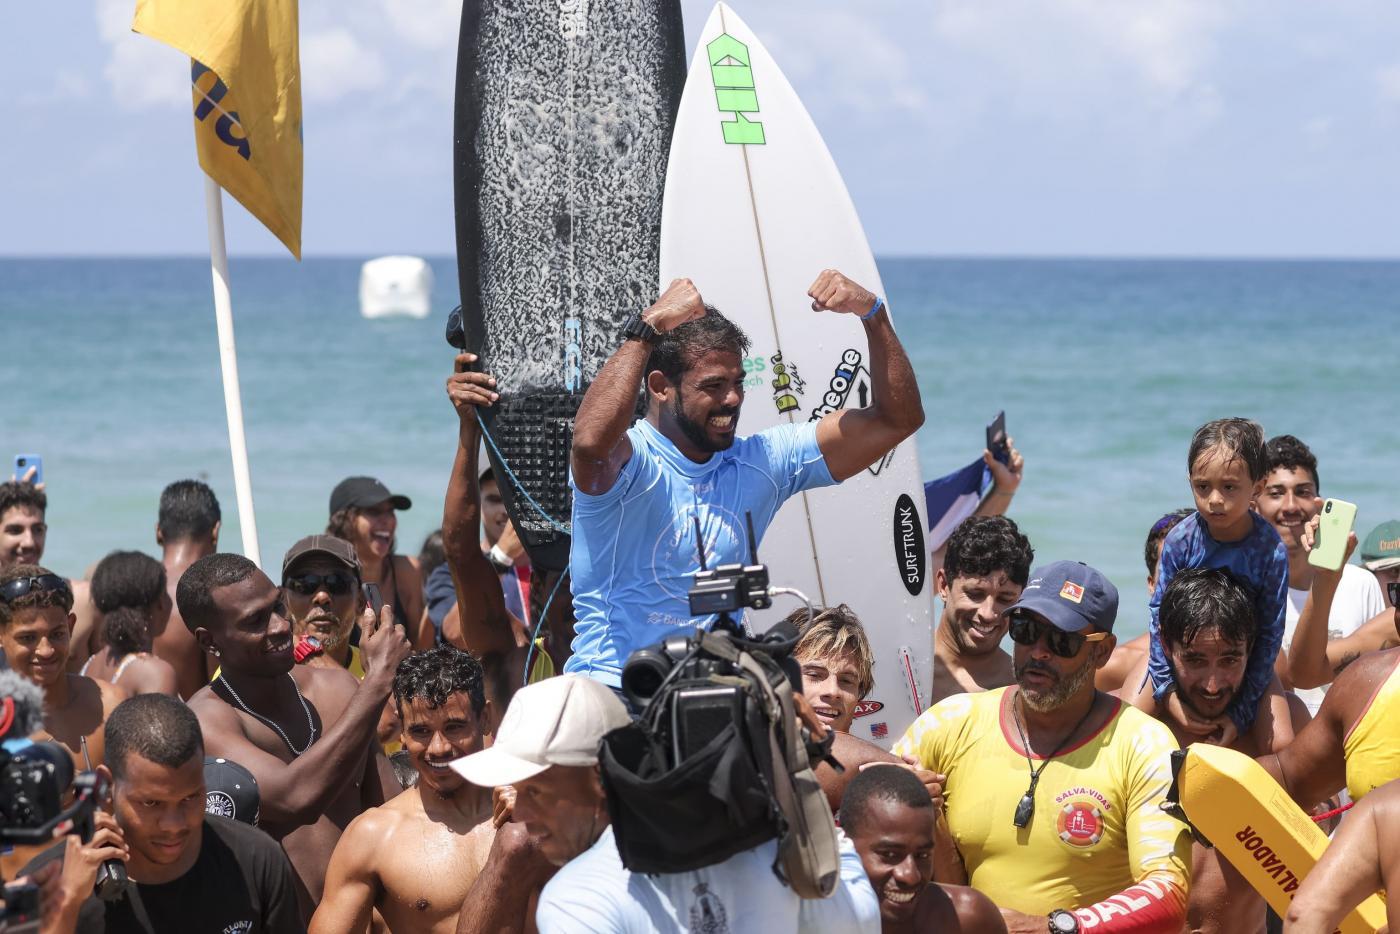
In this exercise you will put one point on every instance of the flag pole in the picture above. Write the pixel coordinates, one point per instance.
(228, 360)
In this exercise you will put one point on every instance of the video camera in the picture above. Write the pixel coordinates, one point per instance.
(716, 762)
(35, 779)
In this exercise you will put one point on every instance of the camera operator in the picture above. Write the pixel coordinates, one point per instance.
(640, 490)
(548, 750)
(190, 871)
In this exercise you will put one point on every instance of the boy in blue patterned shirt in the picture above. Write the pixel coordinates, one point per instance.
(1227, 465)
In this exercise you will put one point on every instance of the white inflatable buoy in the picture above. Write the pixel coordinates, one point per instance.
(396, 286)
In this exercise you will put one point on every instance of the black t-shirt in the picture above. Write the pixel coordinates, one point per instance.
(241, 884)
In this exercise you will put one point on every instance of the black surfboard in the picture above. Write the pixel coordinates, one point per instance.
(563, 124)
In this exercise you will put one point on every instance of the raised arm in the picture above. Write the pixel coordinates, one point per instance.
(853, 439)
(484, 624)
(1308, 663)
(296, 793)
(601, 448)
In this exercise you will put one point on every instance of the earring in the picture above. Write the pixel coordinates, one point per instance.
(216, 653)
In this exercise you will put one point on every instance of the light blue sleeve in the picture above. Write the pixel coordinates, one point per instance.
(795, 460)
(1175, 555)
(640, 470)
(854, 908)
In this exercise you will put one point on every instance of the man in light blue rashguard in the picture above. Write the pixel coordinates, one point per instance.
(639, 488)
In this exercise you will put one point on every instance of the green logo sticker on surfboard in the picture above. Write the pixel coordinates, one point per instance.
(734, 90)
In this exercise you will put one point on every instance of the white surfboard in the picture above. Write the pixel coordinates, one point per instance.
(754, 209)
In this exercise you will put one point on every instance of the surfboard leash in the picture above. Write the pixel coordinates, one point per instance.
(520, 487)
(535, 636)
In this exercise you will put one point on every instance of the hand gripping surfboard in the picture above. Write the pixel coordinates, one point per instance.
(1231, 803)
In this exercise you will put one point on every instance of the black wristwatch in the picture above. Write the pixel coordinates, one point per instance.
(1063, 922)
(637, 329)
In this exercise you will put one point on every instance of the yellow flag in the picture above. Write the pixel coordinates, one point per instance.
(246, 75)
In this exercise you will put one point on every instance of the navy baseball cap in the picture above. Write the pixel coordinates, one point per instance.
(1071, 595)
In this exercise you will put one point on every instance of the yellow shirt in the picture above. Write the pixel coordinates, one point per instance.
(1098, 827)
(1372, 745)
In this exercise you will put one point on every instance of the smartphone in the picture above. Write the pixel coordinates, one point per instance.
(373, 598)
(996, 438)
(23, 462)
(1330, 549)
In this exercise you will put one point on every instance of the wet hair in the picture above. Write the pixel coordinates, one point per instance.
(17, 493)
(1288, 452)
(1201, 599)
(194, 594)
(678, 349)
(157, 727)
(886, 782)
(62, 597)
(835, 631)
(188, 509)
(982, 545)
(437, 674)
(432, 554)
(124, 585)
(1238, 439)
(1155, 535)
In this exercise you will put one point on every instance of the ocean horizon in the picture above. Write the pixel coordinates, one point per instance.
(1104, 367)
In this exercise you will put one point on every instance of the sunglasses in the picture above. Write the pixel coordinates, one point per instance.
(15, 589)
(1392, 590)
(1027, 630)
(336, 583)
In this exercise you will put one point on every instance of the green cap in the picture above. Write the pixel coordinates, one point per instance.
(1381, 549)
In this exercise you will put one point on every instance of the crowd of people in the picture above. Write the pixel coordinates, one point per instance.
(373, 741)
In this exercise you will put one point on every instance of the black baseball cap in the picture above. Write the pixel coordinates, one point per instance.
(365, 491)
(230, 791)
(337, 548)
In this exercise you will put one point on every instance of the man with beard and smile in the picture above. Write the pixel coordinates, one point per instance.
(1053, 789)
(889, 817)
(191, 871)
(641, 490)
(1208, 624)
(307, 734)
(414, 859)
(986, 563)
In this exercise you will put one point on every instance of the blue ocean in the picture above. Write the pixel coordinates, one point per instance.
(1104, 369)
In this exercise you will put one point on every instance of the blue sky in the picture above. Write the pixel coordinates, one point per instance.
(970, 127)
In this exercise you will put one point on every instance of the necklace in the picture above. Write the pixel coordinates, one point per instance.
(1025, 808)
(310, 726)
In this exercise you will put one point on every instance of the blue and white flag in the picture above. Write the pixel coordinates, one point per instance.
(951, 499)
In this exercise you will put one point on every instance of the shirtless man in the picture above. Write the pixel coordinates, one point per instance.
(35, 619)
(306, 734)
(414, 859)
(1364, 857)
(986, 563)
(481, 624)
(889, 817)
(187, 529)
(1208, 625)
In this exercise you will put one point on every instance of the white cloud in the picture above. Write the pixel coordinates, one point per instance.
(879, 78)
(1388, 82)
(429, 24)
(335, 63)
(68, 85)
(141, 72)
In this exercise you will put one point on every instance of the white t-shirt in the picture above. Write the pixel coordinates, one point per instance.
(595, 894)
(1358, 601)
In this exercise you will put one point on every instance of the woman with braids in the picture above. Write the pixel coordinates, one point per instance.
(128, 588)
(362, 511)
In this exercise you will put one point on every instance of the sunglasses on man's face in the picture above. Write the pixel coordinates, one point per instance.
(1392, 590)
(1027, 630)
(336, 583)
(15, 589)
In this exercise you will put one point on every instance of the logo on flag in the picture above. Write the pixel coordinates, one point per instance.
(1072, 592)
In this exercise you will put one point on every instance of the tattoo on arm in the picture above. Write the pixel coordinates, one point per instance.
(1344, 661)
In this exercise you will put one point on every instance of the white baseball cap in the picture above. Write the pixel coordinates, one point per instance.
(557, 721)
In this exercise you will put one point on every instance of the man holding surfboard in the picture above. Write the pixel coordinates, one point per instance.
(640, 489)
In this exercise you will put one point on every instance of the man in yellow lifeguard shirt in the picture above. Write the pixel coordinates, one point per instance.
(1053, 789)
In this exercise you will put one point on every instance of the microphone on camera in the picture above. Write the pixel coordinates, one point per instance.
(21, 706)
